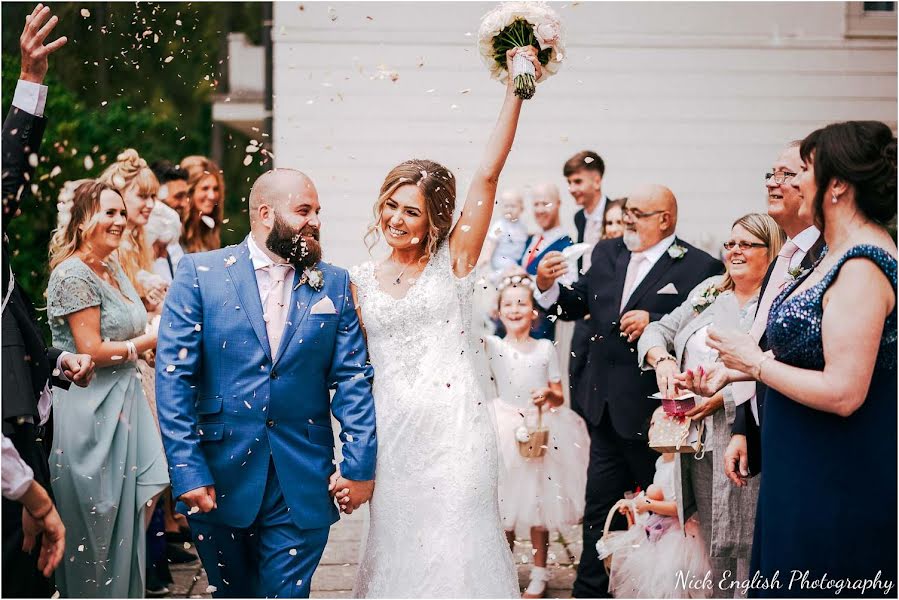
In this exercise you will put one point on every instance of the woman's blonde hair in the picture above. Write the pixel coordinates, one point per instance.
(197, 236)
(129, 170)
(764, 228)
(437, 186)
(84, 207)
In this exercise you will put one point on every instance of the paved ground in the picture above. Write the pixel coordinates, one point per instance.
(337, 571)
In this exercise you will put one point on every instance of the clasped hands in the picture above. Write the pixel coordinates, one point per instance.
(349, 494)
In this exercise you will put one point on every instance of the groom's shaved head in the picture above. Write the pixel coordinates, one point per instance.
(276, 188)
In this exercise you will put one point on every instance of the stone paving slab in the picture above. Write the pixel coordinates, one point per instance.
(336, 574)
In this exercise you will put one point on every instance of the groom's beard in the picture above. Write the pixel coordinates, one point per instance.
(299, 248)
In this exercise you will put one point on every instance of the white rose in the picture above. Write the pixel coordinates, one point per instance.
(547, 34)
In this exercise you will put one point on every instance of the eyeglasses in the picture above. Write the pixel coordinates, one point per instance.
(744, 246)
(779, 176)
(633, 213)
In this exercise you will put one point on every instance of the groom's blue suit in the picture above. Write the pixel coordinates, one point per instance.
(255, 422)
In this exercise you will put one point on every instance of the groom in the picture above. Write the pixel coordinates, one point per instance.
(252, 339)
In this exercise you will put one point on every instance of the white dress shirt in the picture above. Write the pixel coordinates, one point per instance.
(651, 255)
(261, 260)
(17, 475)
(593, 229)
(805, 240)
(30, 97)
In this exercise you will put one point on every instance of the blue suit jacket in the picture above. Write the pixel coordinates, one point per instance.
(228, 404)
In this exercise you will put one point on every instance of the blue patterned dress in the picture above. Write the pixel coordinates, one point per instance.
(827, 503)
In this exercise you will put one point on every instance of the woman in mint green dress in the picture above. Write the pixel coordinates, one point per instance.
(107, 465)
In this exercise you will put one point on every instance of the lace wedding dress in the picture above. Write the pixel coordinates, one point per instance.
(435, 528)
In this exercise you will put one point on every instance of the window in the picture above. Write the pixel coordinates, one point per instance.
(871, 19)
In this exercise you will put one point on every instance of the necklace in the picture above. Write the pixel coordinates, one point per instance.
(399, 278)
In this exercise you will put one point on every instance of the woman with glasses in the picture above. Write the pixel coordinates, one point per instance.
(676, 343)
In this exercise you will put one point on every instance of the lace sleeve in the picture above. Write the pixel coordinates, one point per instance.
(69, 292)
(358, 278)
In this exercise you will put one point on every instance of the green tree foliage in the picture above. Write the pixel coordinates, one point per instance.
(133, 75)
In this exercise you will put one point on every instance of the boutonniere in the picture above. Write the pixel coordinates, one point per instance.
(314, 278)
(676, 251)
(705, 298)
(230, 261)
(797, 273)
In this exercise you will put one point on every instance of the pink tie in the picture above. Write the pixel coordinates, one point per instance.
(745, 390)
(275, 309)
(630, 280)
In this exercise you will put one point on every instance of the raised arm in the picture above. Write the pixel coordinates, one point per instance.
(467, 238)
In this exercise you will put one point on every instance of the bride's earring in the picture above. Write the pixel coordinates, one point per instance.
(834, 199)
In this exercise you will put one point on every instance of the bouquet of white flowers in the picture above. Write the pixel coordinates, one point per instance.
(521, 24)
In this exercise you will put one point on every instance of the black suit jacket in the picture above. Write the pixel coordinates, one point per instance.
(27, 362)
(612, 379)
(744, 423)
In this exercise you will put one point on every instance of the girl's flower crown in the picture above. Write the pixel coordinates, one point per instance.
(516, 281)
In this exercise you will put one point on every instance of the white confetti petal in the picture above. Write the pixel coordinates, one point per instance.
(85, 13)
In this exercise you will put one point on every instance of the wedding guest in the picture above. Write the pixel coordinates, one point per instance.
(173, 185)
(804, 244)
(830, 373)
(130, 176)
(613, 219)
(543, 493)
(162, 233)
(506, 239)
(632, 281)
(204, 213)
(584, 172)
(551, 238)
(108, 465)
(657, 547)
(677, 342)
(30, 369)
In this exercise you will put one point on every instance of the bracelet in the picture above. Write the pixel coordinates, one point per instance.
(758, 369)
(132, 351)
(41, 517)
(664, 358)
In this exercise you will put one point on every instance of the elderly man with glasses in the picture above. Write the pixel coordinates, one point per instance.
(631, 281)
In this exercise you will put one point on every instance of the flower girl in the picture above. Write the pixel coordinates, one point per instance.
(544, 446)
(656, 558)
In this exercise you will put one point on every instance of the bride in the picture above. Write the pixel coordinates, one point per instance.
(435, 527)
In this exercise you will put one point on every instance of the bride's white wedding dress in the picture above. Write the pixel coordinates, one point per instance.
(435, 528)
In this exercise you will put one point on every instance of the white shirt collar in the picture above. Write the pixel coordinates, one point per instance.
(655, 252)
(806, 238)
(550, 235)
(598, 211)
(260, 259)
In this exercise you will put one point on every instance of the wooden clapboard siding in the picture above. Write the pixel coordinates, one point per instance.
(698, 96)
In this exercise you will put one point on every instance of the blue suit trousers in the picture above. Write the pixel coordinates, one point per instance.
(272, 558)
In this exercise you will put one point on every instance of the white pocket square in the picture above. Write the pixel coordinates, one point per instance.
(668, 289)
(323, 307)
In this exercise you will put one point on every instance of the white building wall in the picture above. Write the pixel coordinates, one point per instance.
(698, 96)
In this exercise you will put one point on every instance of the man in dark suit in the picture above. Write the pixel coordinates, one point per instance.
(29, 367)
(632, 281)
(743, 457)
(584, 172)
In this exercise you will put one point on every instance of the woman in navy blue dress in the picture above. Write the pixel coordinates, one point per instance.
(826, 518)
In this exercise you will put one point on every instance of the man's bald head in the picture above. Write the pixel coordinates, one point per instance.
(650, 216)
(546, 201)
(284, 219)
(277, 188)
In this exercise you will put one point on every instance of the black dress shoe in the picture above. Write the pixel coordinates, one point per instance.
(177, 555)
(155, 588)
